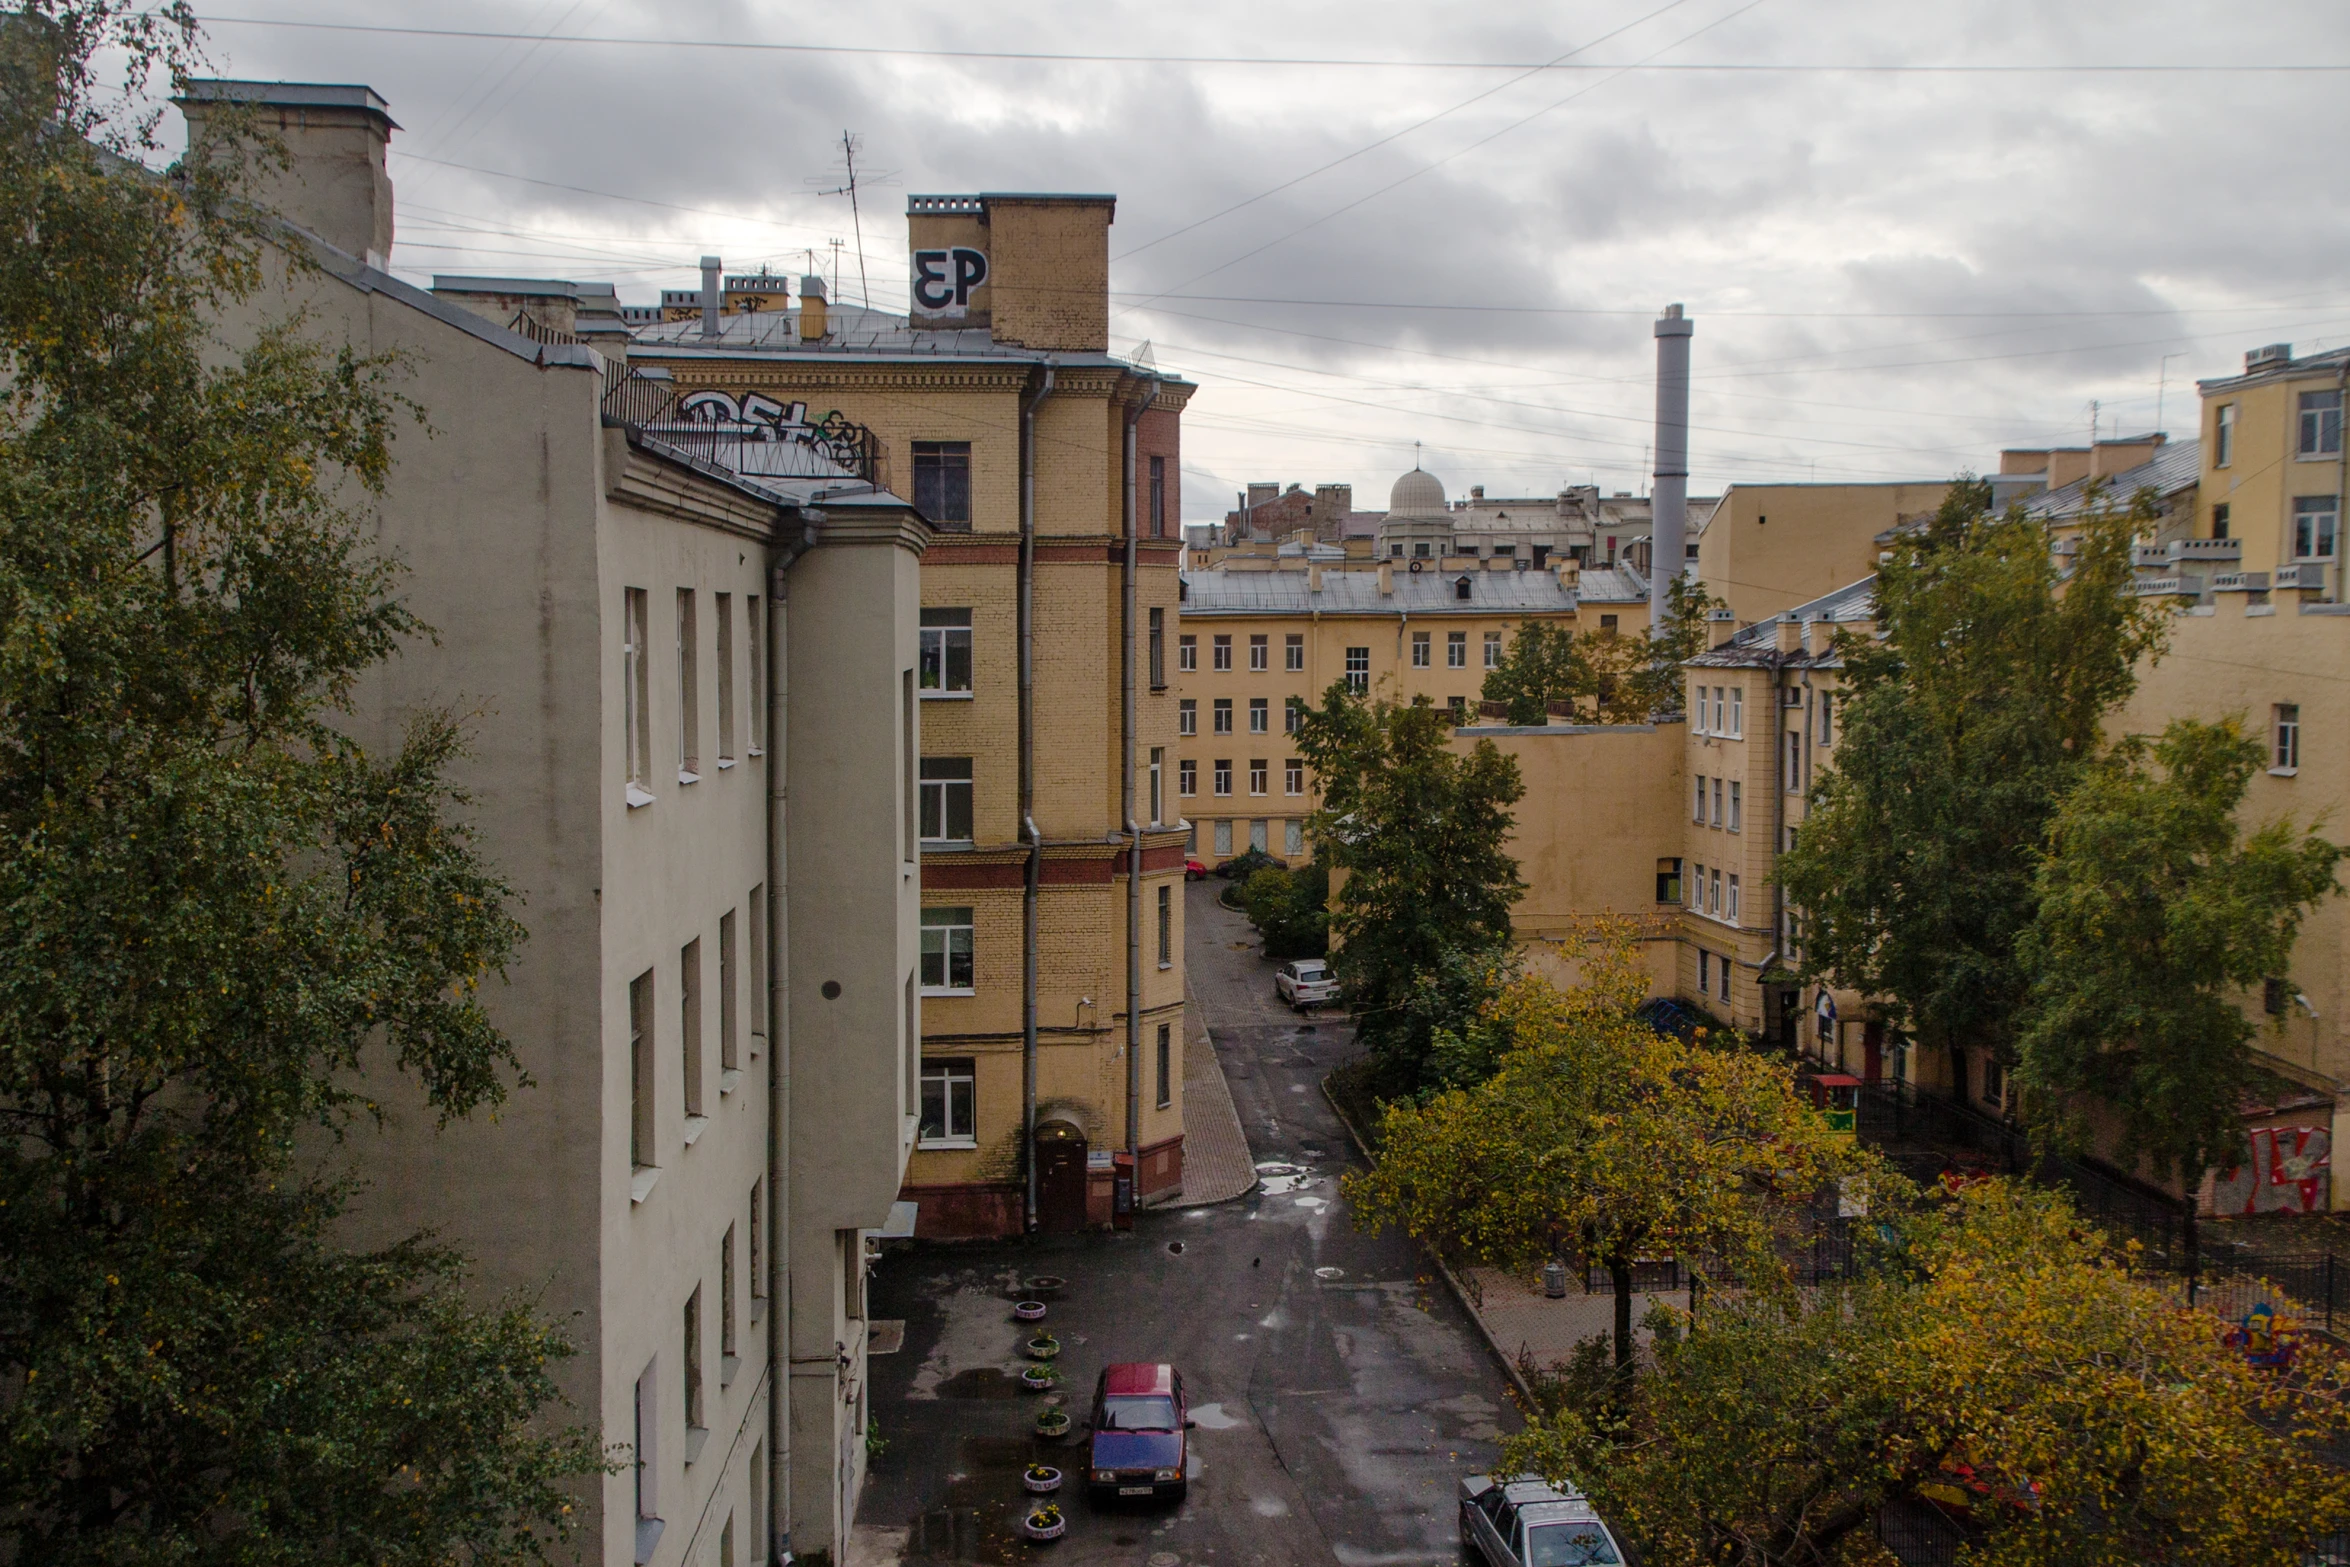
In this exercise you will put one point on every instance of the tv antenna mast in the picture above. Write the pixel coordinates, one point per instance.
(851, 180)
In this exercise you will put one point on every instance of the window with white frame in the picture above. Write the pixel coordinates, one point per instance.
(1730, 907)
(1713, 893)
(1187, 652)
(1419, 650)
(1456, 650)
(1293, 712)
(1260, 653)
(1827, 704)
(1293, 776)
(1293, 837)
(1260, 715)
(1737, 729)
(1224, 775)
(1694, 893)
(1720, 712)
(1492, 650)
(1792, 769)
(1736, 810)
(2321, 424)
(1705, 972)
(2223, 445)
(2316, 526)
(1358, 670)
(2285, 726)
(1697, 803)
(1223, 715)
(689, 737)
(950, 1103)
(1221, 649)
(1717, 819)
(1697, 709)
(945, 652)
(947, 952)
(946, 799)
(636, 722)
(1293, 651)
(722, 609)
(1158, 785)
(1259, 772)
(1187, 715)
(1187, 777)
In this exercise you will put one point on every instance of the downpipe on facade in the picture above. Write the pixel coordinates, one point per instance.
(1032, 885)
(1133, 829)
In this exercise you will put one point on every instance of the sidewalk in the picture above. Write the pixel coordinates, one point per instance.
(1518, 1319)
(1217, 1166)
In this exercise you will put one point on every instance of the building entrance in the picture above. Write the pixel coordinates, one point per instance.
(1060, 1177)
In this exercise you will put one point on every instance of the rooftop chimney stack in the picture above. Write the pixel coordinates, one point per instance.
(1668, 548)
(333, 181)
(711, 268)
(815, 319)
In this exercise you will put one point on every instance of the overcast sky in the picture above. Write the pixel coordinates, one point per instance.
(1894, 272)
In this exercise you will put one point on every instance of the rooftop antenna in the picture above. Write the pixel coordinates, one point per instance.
(2162, 385)
(836, 245)
(2094, 418)
(850, 180)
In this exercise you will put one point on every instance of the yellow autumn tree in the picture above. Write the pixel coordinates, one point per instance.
(1600, 1136)
(1999, 1360)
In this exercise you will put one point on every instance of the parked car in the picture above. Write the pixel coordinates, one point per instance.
(1138, 1447)
(1305, 983)
(1527, 1523)
(1195, 870)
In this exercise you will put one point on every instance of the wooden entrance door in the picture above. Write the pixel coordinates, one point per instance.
(1060, 1178)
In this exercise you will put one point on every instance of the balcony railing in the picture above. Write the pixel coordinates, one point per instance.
(753, 435)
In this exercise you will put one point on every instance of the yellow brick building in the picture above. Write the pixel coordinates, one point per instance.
(1051, 1044)
(1255, 646)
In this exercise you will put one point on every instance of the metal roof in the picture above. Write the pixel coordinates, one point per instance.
(854, 332)
(1854, 603)
(2174, 466)
(1415, 593)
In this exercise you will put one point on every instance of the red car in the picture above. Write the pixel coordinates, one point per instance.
(1194, 870)
(1138, 1446)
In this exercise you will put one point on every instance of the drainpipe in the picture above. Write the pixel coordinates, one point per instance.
(1133, 829)
(776, 1218)
(2342, 486)
(1032, 886)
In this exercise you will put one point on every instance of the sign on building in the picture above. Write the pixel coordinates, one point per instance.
(944, 281)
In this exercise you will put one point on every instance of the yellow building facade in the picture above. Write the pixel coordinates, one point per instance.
(1255, 647)
(1051, 986)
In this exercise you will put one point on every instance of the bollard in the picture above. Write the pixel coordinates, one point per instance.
(1554, 1279)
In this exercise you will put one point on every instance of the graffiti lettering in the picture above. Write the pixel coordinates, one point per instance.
(944, 280)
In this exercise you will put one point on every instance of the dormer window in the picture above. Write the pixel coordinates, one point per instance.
(1460, 587)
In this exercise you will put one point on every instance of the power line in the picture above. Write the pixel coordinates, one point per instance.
(1050, 57)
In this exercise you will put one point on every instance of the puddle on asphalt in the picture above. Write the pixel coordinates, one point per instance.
(979, 1519)
(980, 1382)
(1275, 1178)
(1212, 1417)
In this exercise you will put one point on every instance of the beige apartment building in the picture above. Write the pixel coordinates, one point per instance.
(1257, 647)
(1051, 977)
(715, 1002)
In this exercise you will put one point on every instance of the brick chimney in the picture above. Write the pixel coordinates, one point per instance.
(334, 183)
(814, 322)
(1034, 269)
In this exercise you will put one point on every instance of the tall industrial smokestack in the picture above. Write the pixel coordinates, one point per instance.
(1668, 544)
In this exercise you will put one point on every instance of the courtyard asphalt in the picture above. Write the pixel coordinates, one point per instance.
(1339, 1390)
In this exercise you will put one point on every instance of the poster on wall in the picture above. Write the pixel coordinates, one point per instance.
(2285, 1169)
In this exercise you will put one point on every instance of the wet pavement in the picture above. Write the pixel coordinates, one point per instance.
(1338, 1390)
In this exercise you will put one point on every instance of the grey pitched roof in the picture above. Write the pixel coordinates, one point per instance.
(1854, 603)
(1415, 593)
(2174, 466)
(854, 332)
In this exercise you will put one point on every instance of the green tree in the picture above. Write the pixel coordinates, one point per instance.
(1601, 1136)
(1415, 830)
(2152, 907)
(1652, 682)
(1542, 665)
(219, 918)
(1963, 730)
(1996, 1359)
(1290, 909)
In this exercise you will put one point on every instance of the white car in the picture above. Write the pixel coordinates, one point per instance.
(1305, 983)
(1525, 1523)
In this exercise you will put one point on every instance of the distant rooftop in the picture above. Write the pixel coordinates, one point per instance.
(2174, 466)
(288, 95)
(1417, 593)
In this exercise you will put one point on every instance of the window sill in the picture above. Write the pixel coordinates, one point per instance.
(695, 1126)
(928, 991)
(729, 1080)
(1164, 965)
(754, 753)
(648, 1535)
(636, 797)
(696, 1438)
(946, 1144)
(948, 845)
(728, 1365)
(684, 776)
(640, 1183)
(725, 762)
(2284, 772)
(949, 696)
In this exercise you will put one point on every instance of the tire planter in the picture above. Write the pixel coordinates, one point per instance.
(1042, 1479)
(1052, 1425)
(1028, 1311)
(1044, 1288)
(1038, 1379)
(1042, 1347)
(1044, 1523)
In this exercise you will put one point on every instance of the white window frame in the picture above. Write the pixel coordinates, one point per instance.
(1187, 716)
(943, 789)
(1187, 653)
(1492, 650)
(1730, 906)
(1293, 652)
(947, 950)
(944, 1073)
(1260, 715)
(1737, 730)
(1220, 651)
(1697, 805)
(2310, 440)
(1293, 776)
(2317, 519)
(1697, 711)
(1737, 811)
(2285, 729)
(1260, 653)
(1421, 650)
(1260, 777)
(1220, 716)
(1186, 778)
(1220, 778)
(1456, 650)
(1358, 670)
(938, 642)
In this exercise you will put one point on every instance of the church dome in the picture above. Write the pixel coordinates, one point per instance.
(1417, 494)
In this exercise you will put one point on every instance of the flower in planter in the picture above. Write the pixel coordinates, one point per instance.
(1042, 1472)
(1046, 1516)
(1043, 1347)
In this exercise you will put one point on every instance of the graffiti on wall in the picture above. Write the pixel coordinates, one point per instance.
(753, 419)
(2285, 1169)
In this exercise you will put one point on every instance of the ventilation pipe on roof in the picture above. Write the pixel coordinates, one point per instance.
(711, 267)
(1668, 546)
